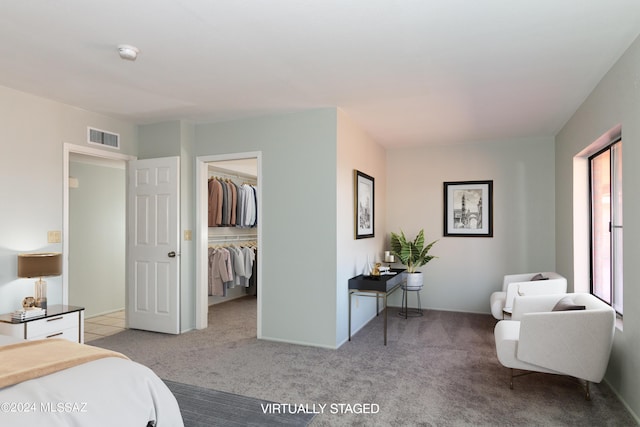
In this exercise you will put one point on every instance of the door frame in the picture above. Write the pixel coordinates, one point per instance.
(69, 148)
(202, 233)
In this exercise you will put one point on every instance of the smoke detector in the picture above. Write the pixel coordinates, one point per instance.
(128, 52)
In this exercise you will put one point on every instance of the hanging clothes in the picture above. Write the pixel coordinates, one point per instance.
(215, 203)
(231, 266)
(220, 271)
(232, 205)
(226, 203)
(238, 266)
(249, 264)
(247, 206)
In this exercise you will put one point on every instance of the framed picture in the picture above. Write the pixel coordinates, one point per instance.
(468, 208)
(364, 205)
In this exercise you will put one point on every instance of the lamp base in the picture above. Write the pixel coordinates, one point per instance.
(41, 293)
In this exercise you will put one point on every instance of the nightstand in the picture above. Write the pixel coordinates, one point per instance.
(61, 321)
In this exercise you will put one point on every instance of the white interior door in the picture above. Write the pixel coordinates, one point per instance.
(153, 273)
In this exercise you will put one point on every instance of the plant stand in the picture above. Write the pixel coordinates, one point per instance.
(406, 311)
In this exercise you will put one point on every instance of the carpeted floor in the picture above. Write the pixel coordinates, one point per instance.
(437, 370)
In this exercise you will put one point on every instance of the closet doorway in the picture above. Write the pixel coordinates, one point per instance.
(239, 169)
(94, 234)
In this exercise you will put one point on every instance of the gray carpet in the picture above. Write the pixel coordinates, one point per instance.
(437, 370)
(201, 407)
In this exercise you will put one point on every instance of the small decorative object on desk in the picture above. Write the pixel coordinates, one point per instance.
(28, 302)
(28, 313)
(386, 271)
(376, 269)
(388, 257)
(367, 268)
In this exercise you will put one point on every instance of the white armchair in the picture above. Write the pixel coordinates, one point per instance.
(570, 342)
(522, 284)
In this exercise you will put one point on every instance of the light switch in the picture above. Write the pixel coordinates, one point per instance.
(187, 235)
(53, 237)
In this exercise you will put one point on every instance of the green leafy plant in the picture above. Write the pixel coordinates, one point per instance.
(414, 253)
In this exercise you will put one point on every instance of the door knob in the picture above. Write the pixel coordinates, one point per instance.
(172, 254)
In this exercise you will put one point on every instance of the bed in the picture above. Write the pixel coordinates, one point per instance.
(107, 390)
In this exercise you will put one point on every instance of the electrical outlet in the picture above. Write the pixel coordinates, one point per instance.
(187, 234)
(53, 237)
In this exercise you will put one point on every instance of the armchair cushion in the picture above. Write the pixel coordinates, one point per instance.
(538, 276)
(567, 303)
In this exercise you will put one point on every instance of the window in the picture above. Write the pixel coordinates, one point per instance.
(605, 172)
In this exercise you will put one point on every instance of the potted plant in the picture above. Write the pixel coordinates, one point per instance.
(412, 254)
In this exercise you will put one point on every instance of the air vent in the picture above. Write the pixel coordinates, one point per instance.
(101, 137)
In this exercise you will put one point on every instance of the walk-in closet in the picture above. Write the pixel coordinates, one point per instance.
(232, 219)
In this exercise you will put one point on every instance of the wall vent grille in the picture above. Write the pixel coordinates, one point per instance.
(104, 138)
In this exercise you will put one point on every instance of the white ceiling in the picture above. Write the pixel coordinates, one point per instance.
(409, 72)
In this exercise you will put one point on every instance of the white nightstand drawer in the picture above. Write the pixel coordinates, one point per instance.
(52, 325)
(70, 334)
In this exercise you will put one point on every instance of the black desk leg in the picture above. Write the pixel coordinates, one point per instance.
(385, 317)
(349, 316)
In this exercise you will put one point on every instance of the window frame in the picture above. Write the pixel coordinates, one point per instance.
(614, 162)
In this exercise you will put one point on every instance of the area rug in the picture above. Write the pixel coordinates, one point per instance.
(202, 407)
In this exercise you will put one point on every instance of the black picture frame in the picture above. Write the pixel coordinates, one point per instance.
(468, 209)
(364, 205)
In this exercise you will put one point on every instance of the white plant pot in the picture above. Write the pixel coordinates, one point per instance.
(415, 281)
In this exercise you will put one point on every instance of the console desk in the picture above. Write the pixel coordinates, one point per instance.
(379, 287)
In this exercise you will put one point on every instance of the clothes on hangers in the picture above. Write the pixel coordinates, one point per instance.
(231, 266)
(247, 206)
(215, 202)
(220, 271)
(232, 205)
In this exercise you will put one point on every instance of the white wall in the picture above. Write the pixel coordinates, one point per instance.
(187, 222)
(32, 133)
(169, 139)
(469, 269)
(616, 100)
(356, 150)
(298, 246)
(97, 238)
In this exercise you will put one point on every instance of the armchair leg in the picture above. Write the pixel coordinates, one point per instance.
(587, 388)
(587, 395)
(511, 379)
(513, 375)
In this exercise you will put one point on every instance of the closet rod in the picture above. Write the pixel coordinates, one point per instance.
(232, 237)
(231, 173)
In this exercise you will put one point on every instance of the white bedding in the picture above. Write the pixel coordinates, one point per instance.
(105, 392)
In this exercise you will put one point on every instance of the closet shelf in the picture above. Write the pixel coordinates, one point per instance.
(232, 237)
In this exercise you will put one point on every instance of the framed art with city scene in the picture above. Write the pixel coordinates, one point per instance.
(364, 196)
(468, 209)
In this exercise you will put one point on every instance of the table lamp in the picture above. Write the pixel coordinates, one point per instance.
(40, 265)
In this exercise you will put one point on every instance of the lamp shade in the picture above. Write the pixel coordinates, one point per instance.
(40, 264)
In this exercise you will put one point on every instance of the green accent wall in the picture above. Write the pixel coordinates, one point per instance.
(97, 238)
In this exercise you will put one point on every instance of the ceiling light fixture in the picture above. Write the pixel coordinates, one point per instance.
(128, 52)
